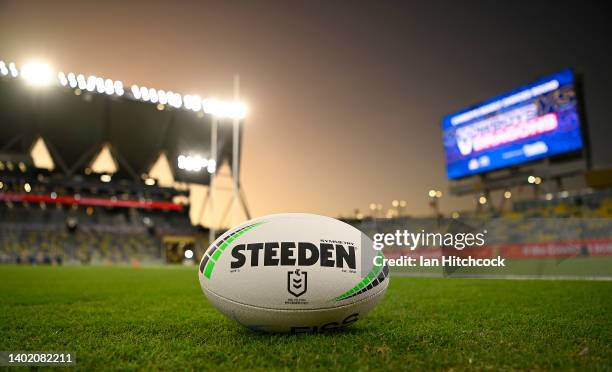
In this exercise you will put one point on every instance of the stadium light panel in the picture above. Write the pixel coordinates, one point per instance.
(197, 103)
(3, 69)
(162, 97)
(192, 163)
(178, 99)
(81, 82)
(91, 83)
(118, 85)
(36, 73)
(153, 95)
(212, 166)
(109, 87)
(136, 91)
(144, 93)
(100, 85)
(175, 99)
(222, 109)
(62, 78)
(194, 103)
(187, 101)
(13, 69)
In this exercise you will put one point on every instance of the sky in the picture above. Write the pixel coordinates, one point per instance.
(345, 97)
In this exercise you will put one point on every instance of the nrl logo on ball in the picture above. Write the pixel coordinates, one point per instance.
(297, 282)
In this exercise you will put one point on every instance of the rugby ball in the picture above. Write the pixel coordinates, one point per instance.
(293, 273)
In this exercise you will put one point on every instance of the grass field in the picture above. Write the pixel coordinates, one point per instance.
(157, 318)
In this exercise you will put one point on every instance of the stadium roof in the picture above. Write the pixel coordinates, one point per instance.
(77, 116)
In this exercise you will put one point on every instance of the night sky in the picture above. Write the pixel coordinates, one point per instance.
(346, 97)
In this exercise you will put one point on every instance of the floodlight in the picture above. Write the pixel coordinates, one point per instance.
(212, 166)
(144, 93)
(118, 85)
(196, 105)
(162, 97)
(136, 91)
(222, 109)
(81, 82)
(13, 69)
(196, 163)
(91, 83)
(100, 85)
(153, 95)
(109, 87)
(175, 99)
(62, 78)
(187, 101)
(36, 73)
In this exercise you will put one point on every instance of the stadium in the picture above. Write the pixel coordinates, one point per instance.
(115, 194)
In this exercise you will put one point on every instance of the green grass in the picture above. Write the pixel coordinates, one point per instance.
(157, 318)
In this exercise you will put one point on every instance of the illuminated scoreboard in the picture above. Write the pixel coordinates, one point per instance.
(535, 121)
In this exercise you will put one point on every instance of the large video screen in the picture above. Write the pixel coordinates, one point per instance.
(535, 121)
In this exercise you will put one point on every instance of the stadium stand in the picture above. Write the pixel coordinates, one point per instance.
(561, 225)
(68, 213)
(45, 218)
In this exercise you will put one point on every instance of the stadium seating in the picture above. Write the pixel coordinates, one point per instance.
(562, 218)
(57, 233)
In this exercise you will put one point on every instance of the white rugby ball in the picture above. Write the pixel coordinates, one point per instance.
(297, 273)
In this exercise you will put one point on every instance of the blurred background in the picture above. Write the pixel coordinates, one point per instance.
(116, 119)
